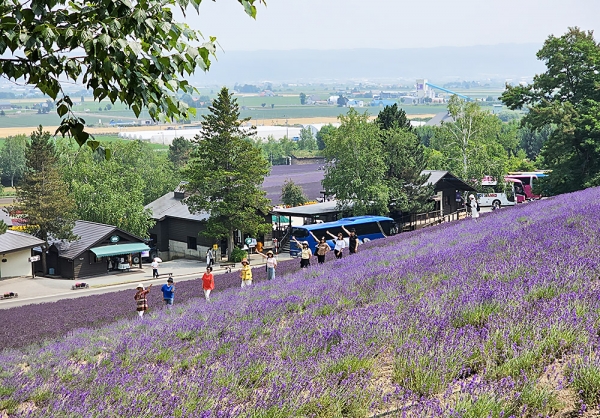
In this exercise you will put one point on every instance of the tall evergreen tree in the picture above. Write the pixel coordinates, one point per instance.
(292, 194)
(392, 117)
(179, 152)
(43, 200)
(225, 173)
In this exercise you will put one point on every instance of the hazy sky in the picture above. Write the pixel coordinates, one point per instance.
(346, 24)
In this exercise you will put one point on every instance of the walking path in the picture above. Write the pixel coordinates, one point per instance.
(44, 289)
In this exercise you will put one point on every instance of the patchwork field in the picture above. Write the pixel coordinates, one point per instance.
(494, 317)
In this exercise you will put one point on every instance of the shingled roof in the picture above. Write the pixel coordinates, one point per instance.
(170, 206)
(89, 233)
(12, 241)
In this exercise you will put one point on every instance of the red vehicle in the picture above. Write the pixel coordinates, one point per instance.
(525, 185)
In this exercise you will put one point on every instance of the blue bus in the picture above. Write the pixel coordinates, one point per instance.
(366, 227)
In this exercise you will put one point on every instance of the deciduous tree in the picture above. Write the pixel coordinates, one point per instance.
(355, 174)
(132, 52)
(12, 158)
(469, 144)
(292, 194)
(225, 173)
(566, 96)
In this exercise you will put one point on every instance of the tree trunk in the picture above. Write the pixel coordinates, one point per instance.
(230, 244)
(44, 266)
(12, 181)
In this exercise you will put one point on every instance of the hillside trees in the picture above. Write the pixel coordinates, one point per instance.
(115, 191)
(566, 96)
(355, 174)
(292, 194)
(12, 158)
(392, 117)
(179, 152)
(43, 201)
(470, 146)
(132, 52)
(225, 174)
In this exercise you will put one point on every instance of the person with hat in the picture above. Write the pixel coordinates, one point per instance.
(271, 264)
(168, 291)
(141, 299)
(305, 253)
(208, 282)
(474, 205)
(246, 273)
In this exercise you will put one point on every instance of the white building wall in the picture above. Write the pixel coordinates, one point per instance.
(178, 249)
(16, 264)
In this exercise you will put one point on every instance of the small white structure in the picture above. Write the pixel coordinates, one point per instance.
(15, 253)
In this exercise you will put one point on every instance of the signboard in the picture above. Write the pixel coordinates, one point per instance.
(114, 239)
(248, 241)
(215, 247)
(34, 258)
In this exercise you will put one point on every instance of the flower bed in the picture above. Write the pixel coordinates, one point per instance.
(475, 318)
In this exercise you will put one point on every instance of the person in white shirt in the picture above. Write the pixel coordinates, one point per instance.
(154, 268)
(339, 242)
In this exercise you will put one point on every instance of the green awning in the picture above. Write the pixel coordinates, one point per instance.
(119, 249)
(281, 219)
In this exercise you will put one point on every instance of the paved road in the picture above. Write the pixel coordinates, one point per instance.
(43, 289)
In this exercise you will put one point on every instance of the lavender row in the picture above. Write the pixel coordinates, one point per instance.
(457, 320)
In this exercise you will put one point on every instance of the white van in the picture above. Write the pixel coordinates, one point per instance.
(496, 196)
(496, 200)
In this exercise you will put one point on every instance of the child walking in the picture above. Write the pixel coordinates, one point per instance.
(168, 291)
(246, 273)
(208, 282)
(141, 299)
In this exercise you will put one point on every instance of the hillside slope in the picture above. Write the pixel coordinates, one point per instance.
(494, 317)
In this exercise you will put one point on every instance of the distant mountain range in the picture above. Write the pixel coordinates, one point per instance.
(442, 64)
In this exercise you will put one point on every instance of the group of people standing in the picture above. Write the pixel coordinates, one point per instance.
(323, 247)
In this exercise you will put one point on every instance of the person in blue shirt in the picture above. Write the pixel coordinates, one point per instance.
(168, 291)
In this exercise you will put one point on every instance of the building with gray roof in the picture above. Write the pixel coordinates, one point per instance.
(15, 252)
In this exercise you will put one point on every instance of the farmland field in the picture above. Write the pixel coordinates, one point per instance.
(496, 317)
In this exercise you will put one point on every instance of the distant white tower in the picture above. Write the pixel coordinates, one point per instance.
(422, 89)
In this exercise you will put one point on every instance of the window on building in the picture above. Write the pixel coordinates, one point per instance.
(192, 244)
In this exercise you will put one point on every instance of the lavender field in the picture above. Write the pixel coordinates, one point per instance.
(495, 317)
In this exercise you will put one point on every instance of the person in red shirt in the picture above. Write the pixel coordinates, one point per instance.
(141, 300)
(208, 282)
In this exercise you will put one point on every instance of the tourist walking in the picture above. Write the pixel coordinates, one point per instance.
(208, 282)
(271, 264)
(168, 291)
(210, 257)
(352, 240)
(322, 248)
(339, 244)
(474, 205)
(304, 253)
(154, 268)
(246, 273)
(141, 299)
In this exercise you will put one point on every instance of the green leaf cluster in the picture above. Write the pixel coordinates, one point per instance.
(134, 52)
(565, 100)
(292, 194)
(115, 191)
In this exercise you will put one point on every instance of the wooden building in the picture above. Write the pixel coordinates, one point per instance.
(98, 250)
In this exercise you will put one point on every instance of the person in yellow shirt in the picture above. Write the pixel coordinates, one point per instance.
(246, 273)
